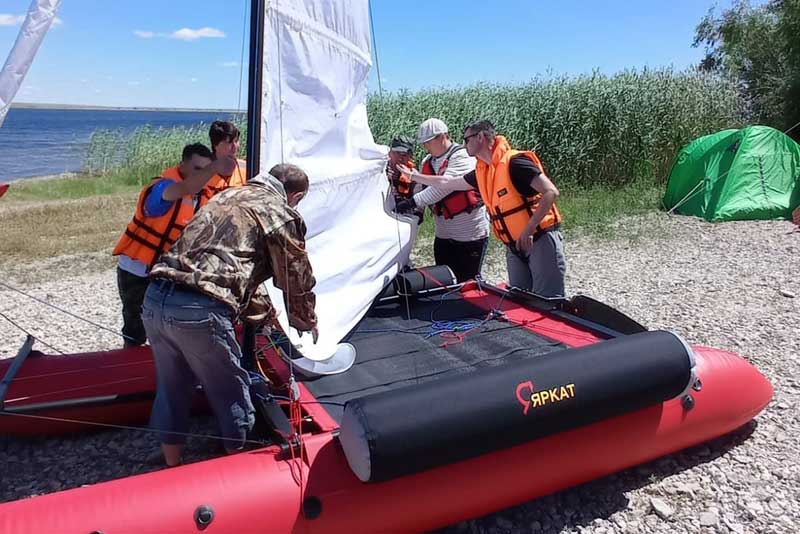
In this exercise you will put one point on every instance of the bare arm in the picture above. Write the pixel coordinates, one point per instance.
(198, 179)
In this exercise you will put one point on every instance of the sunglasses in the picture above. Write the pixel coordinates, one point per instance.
(468, 137)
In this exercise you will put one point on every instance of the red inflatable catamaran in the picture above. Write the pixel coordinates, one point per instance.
(420, 433)
(461, 400)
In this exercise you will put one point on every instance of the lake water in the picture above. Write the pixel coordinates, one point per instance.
(39, 142)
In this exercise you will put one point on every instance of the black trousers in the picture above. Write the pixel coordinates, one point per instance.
(464, 258)
(131, 293)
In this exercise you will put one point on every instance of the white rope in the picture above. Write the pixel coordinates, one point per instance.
(689, 195)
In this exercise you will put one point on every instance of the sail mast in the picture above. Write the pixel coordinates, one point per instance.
(254, 84)
(40, 16)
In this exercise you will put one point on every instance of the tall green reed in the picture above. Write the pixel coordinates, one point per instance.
(137, 157)
(588, 130)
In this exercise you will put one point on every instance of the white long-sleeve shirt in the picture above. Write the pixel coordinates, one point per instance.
(464, 226)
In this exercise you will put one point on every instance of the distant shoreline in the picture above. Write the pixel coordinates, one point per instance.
(26, 105)
(40, 178)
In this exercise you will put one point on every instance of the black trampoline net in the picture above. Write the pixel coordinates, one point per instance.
(395, 351)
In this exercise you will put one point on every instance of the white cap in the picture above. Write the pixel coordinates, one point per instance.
(430, 129)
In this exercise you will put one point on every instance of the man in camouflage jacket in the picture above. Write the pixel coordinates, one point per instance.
(210, 278)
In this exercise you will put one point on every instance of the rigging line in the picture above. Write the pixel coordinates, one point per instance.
(241, 56)
(375, 47)
(276, 15)
(4, 316)
(696, 189)
(792, 128)
(123, 427)
(62, 310)
(399, 255)
(280, 80)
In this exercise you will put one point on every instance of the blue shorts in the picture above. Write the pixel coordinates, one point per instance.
(193, 342)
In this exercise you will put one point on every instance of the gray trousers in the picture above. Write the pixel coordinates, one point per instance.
(544, 269)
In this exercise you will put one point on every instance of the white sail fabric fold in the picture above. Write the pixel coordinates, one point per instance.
(40, 16)
(316, 61)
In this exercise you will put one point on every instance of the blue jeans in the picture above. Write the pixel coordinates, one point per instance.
(194, 342)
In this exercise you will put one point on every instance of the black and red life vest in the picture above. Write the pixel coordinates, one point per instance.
(456, 202)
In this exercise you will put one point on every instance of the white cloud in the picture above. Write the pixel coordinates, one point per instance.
(144, 34)
(229, 64)
(10, 20)
(186, 34)
(13, 20)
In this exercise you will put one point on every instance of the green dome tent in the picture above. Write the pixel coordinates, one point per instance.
(752, 173)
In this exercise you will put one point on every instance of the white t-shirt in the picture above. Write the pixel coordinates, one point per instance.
(464, 226)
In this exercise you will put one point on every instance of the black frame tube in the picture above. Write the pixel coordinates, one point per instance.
(254, 85)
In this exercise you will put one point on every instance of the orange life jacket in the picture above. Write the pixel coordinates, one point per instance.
(458, 201)
(219, 183)
(509, 211)
(403, 185)
(146, 238)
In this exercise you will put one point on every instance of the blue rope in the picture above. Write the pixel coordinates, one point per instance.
(441, 327)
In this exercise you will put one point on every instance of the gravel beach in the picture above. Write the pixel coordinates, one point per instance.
(735, 286)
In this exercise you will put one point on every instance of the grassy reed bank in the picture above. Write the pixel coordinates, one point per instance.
(607, 141)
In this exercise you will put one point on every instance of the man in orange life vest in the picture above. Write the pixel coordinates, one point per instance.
(520, 199)
(461, 224)
(225, 142)
(401, 152)
(163, 209)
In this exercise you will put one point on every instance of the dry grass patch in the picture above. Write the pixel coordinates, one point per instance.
(40, 230)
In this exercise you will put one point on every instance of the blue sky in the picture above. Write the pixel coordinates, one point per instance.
(186, 53)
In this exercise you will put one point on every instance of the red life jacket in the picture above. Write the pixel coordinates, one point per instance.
(458, 201)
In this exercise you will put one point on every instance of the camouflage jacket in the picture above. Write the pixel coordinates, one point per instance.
(242, 237)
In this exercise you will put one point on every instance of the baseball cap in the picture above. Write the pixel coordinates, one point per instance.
(430, 129)
(402, 143)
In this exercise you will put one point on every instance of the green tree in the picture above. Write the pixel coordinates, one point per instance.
(760, 47)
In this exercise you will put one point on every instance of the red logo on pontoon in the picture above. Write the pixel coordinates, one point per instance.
(529, 398)
(525, 400)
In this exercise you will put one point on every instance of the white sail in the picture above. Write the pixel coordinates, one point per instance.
(40, 16)
(316, 62)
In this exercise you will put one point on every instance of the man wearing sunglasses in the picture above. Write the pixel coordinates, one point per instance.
(520, 199)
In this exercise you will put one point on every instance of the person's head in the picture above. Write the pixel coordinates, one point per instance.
(434, 136)
(401, 150)
(294, 180)
(224, 138)
(479, 139)
(195, 157)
